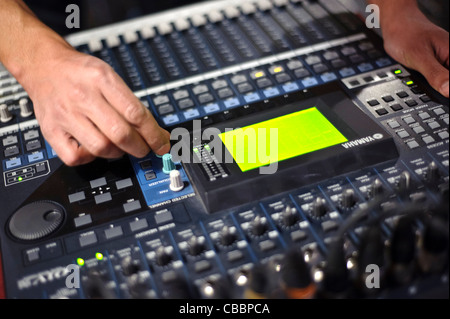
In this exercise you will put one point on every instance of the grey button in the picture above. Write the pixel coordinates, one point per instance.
(424, 116)
(202, 266)
(124, 183)
(83, 220)
(77, 197)
(267, 245)
(103, 198)
(162, 99)
(33, 255)
(413, 145)
(234, 255)
(394, 124)
(87, 239)
(434, 125)
(409, 120)
(138, 225)
(181, 94)
(98, 182)
(443, 135)
(298, 235)
(113, 232)
(419, 130)
(329, 225)
(199, 89)
(163, 217)
(439, 111)
(428, 140)
(132, 206)
(10, 140)
(403, 134)
(31, 135)
(33, 145)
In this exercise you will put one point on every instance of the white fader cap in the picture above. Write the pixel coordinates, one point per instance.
(176, 183)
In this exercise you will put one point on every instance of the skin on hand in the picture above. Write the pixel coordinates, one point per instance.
(85, 111)
(413, 40)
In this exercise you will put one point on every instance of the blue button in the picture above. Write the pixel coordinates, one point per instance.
(383, 62)
(171, 119)
(328, 77)
(310, 82)
(35, 157)
(289, 87)
(252, 97)
(271, 92)
(211, 108)
(231, 103)
(13, 163)
(364, 67)
(191, 114)
(347, 72)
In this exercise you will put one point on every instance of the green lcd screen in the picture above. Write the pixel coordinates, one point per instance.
(281, 138)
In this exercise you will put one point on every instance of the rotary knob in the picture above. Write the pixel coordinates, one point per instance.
(432, 174)
(289, 216)
(319, 208)
(259, 226)
(348, 199)
(163, 257)
(36, 220)
(5, 114)
(376, 189)
(196, 245)
(25, 108)
(228, 235)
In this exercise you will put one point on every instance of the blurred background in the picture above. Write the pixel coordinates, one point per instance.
(95, 13)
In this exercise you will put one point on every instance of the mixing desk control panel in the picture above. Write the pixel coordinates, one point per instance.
(360, 172)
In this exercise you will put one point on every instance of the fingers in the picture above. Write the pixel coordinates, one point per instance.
(136, 114)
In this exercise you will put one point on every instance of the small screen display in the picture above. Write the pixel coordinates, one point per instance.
(281, 138)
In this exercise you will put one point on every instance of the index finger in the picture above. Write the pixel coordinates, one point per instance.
(117, 93)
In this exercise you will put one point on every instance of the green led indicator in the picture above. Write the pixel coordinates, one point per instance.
(99, 256)
(398, 71)
(196, 150)
(20, 178)
(80, 262)
(409, 83)
(207, 147)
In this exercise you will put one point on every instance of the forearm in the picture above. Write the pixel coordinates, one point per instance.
(25, 42)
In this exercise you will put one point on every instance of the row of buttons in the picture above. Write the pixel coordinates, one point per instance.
(262, 82)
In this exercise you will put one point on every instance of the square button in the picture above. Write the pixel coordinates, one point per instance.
(443, 135)
(413, 145)
(103, 198)
(428, 140)
(396, 107)
(409, 120)
(424, 116)
(403, 134)
(439, 111)
(394, 124)
(434, 125)
(382, 112)
(373, 103)
(402, 94)
(388, 99)
(419, 130)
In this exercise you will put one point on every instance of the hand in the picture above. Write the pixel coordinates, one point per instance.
(414, 41)
(85, 111)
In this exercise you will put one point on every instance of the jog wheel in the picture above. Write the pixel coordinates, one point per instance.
(36, 220)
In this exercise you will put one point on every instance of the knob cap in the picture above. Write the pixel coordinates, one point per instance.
(348, 198)
(196, 245)
(5, 114)
(404, 184)
(25, 108)
(376, 189)
(130, 266)
(176, 183)
(289, 216)
(168, 164)
(432, 174)
(228, 235)
(259, 226)
(319, 207)
(163, 257)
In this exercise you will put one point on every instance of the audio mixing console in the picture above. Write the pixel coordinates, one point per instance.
(361, 176)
